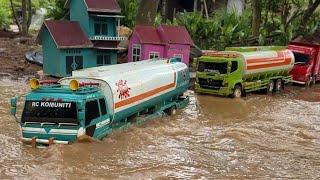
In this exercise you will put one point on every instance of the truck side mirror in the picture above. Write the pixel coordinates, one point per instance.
(13, 111)
(229, 66)
(13, 103)
(195, 63)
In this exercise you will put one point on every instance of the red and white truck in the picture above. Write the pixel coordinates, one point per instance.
(306, 69)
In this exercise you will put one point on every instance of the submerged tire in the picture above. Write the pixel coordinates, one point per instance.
(171, 111)
(278, 86)
(270, 86)
(237, 91)
(313, 80)
(308, 82)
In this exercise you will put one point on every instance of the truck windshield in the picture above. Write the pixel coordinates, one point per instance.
(221, 68)
(49, 112)
(301, 58)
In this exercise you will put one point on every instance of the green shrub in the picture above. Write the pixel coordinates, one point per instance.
(5, 14)
(221, 30)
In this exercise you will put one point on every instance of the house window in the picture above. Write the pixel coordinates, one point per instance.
(154, 55)
(136, 52)
(103, 59)
(100, 28)
(178, 57)
(73, 63)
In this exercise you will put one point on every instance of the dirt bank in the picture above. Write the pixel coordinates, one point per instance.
(12, 56)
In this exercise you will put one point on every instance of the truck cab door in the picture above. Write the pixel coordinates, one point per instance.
(97, 119)
(92, 114)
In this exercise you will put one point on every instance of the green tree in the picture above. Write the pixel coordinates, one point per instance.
(129, 10)
(56, 10)
(24, 22)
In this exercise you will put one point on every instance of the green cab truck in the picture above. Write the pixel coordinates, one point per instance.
(234, 73)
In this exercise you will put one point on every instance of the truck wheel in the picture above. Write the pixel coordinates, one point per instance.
(278, 85)
(270, 86)
(171, 111)
(237, 92)
(308, 82)
(313, 80)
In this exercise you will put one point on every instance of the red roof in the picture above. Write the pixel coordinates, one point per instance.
(66, 34)
(103, 6)
(110, 6)
(176, 34)
(148, 35)
(163, 34)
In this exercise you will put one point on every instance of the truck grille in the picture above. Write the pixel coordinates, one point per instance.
(210, 83)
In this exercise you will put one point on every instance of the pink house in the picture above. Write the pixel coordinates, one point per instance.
(165, 41)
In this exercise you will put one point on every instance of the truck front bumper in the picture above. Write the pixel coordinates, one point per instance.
(44, 141)
(49, 135)
(298, 82)
(223, 91)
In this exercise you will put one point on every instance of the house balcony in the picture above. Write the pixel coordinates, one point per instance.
(107, 38)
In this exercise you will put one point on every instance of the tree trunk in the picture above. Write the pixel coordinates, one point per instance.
(308, 13)
(14, 13)
(164, 9)
(24, 17)
(195, 5)
(205, 9)
(256, 17)
(29, 13)
(147, 12)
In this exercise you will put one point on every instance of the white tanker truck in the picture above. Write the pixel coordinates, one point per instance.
(95, 101)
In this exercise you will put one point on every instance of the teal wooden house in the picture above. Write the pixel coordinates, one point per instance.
(89, 39)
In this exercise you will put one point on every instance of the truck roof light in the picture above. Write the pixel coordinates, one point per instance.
(34, 83)
(89, 84)
(74, 85)
(220, 54)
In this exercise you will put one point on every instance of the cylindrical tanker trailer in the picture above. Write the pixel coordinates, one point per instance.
(236, 73)
(95, 101)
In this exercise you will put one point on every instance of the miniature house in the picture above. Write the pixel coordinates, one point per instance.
(89, 39)
(165, 41)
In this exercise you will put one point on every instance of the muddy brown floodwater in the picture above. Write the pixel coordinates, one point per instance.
(213, 138)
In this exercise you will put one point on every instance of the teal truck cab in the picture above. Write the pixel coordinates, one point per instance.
(58, 114)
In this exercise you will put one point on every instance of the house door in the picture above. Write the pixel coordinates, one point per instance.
(73, 63)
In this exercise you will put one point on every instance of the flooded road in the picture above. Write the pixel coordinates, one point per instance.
(256, 137)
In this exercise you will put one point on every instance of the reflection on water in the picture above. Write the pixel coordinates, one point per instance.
(256, 137)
